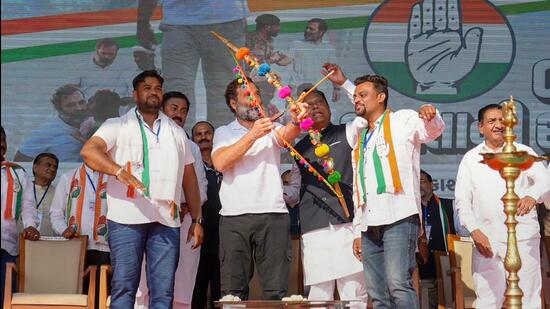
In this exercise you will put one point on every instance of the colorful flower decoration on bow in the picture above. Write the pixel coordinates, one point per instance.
(322, 151)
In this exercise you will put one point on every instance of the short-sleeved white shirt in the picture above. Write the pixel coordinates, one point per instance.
(252, 185)
(124, 210)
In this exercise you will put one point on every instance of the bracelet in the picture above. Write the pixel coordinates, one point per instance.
(296, 124)
(119, 171)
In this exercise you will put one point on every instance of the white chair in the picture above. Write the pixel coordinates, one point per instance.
(50, 275)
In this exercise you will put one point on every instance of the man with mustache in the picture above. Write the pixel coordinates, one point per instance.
(386, 162)
(310, 53)
(323, 222)
(103, 72)
(176, 106)
(478, 194)
(57, 136)
(260, 43)
(148, 157)
(254, 223)
(44, 169)
(208, 273)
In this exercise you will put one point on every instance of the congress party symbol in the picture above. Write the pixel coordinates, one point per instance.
(439, 50)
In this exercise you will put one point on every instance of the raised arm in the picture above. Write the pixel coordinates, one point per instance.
(225, 157)
(292, 129)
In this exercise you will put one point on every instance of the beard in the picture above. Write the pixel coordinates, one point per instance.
(247, 113)
(152, 102)
(360, 111)
(73, 119)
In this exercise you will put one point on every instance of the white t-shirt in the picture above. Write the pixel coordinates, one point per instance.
(91, 78)
(139, 210)
(252, 185)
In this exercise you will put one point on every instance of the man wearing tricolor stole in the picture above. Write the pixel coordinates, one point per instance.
(79, 207)
(17, 203)
(176, 106)
(145, 154)
(386, 163)
(478, 194)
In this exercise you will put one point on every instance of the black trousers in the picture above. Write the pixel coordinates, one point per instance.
(260, 239)
(207, 273)
(97, 258)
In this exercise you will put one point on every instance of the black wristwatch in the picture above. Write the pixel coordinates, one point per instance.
(198, 221)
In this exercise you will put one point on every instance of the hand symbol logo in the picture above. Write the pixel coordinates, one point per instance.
(438, 54)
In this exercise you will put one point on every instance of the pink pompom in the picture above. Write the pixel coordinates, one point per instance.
(285, 92)
(306, 124)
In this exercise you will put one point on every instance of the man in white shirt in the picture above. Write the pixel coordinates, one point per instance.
(17, 203)
(44, 168)
(176, 106)
(103, 71)
(79, 207)
(254, 224)
(58, 135)
(386, 163)
(147, 154)
(478, 194)
(309, 54)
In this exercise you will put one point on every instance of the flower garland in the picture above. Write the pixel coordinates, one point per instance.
(322, 151)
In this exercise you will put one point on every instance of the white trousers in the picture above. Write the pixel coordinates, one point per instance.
(351, 287)
(490, 275)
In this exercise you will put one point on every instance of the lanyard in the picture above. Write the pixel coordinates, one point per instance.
(145, 175)
(147, 127)
(38, 203)
(91, 181)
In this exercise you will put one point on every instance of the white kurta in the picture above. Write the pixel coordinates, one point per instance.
(478, 195)
(327, 254)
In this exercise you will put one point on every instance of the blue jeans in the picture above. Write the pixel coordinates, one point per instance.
(7, 258)
(389, 262)
(128, 243)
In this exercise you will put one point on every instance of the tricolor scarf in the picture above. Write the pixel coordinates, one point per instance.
(383, 159)
(133, 153)
(444, 220)
(76, 197)
(13, 209)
